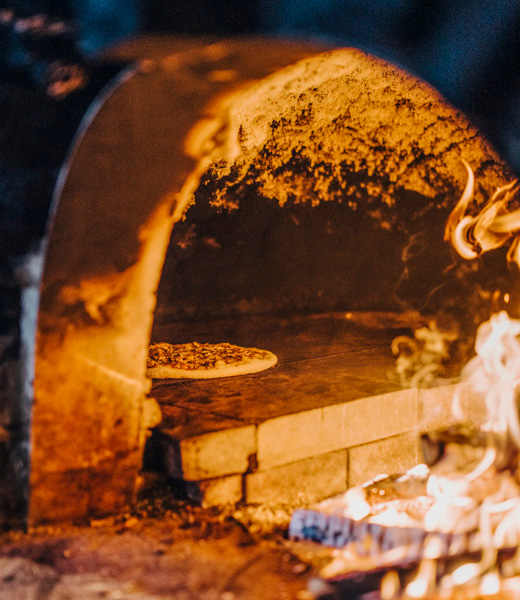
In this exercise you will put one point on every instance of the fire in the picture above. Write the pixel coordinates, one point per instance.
(491, 228)
(472, 488)
(495, 373)
(485, 496)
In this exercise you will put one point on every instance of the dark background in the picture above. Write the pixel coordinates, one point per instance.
(468, 49)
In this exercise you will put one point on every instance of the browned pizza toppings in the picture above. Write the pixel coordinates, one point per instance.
(202, 356)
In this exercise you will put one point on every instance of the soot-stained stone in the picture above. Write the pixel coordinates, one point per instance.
(328, 187)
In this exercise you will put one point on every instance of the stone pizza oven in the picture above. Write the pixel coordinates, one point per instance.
(297, 199)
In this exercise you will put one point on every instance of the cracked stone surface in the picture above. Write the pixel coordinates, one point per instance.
(325, 186)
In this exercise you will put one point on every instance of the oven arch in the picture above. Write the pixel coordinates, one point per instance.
(102, 263)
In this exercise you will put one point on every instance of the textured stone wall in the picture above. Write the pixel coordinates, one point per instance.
(327, 187)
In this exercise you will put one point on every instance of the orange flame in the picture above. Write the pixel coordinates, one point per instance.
(491, 228)
(495, 372)
(483, 498)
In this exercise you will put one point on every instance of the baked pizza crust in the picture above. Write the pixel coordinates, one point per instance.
(205, 361)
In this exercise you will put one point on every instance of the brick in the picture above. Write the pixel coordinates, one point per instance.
(294, 437)
(307, 480)
(220, 491)
(435, 407)
(219, 453)
(393, 455)
(377, 417)
(310, 433)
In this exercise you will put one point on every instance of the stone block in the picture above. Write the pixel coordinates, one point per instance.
(294, 437)
(217, 454)
(219, 491)
(435, 407)
(311, 433)
(307, 480)
(393, 455)
(375, 418)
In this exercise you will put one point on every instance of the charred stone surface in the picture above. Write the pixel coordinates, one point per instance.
(263, 258)
(328, 188)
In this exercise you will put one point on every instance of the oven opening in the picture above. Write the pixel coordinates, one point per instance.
(306, 208)
(300, 240)
(298, 200)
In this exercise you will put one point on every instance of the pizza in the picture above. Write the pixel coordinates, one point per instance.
(205, 361)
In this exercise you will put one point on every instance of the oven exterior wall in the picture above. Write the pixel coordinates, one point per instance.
(113, 209)
(116, 201)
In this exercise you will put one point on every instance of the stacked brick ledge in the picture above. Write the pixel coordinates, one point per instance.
(309, 455)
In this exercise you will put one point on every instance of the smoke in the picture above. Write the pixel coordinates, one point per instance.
(422, 359)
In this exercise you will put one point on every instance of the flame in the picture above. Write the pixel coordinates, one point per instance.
(495, 373)
(490, 584)
(469, 500)
(390, 586)
(482, 497)
(491, 228)
(356, 500)
(477, 493)
(463, 499)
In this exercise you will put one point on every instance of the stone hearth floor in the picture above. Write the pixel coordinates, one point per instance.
(162, 549)
(329, 415)
(165, 548)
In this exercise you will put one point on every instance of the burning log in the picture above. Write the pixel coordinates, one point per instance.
(379, 517)
(466, 502)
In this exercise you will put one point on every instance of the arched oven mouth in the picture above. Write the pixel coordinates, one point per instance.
(297, 209)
